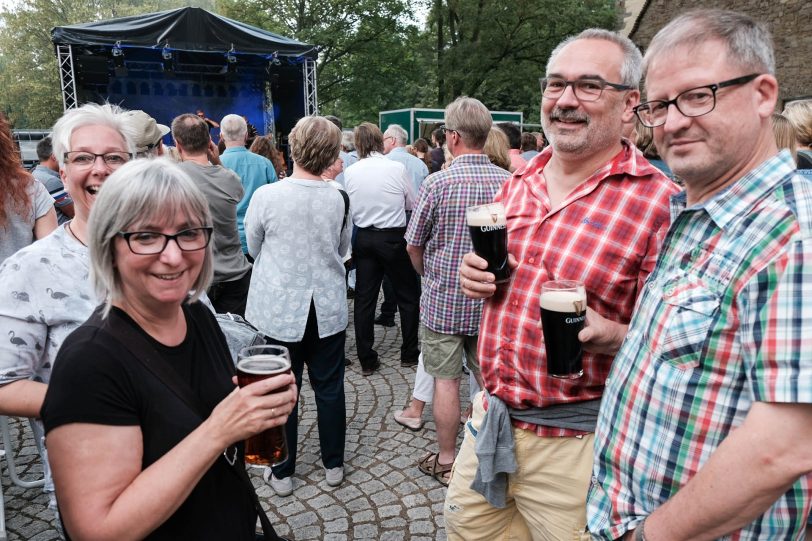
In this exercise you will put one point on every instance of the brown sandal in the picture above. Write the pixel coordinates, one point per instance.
(430, 465)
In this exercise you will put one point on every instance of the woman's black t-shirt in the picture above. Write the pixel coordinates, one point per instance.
(97, 380)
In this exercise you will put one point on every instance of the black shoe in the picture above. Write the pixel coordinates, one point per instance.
(385, 321)
(350, 293)
(347, 362)
(368, 371)
(408, 363)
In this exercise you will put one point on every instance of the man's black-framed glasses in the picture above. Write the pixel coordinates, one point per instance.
(83, 159)
(446, 129)
(585, 89)
(691, 103)
(152, 242)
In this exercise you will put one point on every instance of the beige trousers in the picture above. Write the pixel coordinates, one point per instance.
(546, 497)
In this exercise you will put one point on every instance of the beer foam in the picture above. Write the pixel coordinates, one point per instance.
(262, 365)
(485, 215)
(562, 301)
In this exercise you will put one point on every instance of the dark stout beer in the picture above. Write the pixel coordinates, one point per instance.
(563, 313)
(487, 225)
(270, 447)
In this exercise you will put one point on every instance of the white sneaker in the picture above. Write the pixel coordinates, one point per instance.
(282, 487)
(335, 476)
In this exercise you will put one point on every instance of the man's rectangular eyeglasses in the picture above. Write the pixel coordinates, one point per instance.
(586, 89)
(152, 242)
(81, 158)
(691, 103)
(446, 129)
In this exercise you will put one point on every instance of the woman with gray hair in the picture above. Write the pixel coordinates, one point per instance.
(141, 472)
(297, 230)
(46, 293)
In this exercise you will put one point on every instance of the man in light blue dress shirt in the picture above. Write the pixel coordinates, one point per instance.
(395, 140)
(254, 170)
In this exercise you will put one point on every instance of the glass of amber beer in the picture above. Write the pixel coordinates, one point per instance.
(254, 363)
(487, 225)
(563, 314)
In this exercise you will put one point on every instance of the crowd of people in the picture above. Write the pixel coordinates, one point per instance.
(686, 216)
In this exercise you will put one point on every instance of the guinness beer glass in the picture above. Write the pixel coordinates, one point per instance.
(488, 227)
(253, 364)
(563, 313)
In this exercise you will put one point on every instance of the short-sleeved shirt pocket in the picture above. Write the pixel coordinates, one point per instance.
(690, 308)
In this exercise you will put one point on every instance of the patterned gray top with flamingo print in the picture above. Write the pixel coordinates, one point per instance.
(46, 293)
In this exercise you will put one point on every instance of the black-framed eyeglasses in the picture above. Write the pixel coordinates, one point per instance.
(446, 129)
(147, 150)
(585, 89)
(152, 242)
(691, 103)
(82, 159)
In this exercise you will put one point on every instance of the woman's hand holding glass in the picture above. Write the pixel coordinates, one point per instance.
(253, 409)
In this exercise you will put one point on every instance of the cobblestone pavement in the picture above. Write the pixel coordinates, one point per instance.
(384, 496)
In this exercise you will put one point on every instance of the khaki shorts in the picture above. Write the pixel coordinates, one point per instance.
(546, 497)
(443, 353)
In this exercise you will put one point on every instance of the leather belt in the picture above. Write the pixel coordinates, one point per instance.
(384, 229)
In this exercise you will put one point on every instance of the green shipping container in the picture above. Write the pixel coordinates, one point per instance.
(421, 122)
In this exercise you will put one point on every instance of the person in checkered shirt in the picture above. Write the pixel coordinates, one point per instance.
(704, 429)
(437, 237)
(587, 208)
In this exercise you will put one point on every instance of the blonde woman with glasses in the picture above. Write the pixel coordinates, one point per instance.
(153, 463)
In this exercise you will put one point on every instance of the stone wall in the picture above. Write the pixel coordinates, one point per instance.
(790, 22)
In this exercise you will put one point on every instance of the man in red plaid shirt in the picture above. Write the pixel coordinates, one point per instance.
(587, 208)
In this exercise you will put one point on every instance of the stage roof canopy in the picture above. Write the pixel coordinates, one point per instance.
(184, 29)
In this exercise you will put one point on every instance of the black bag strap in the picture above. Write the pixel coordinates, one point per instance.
(150, 358)
(346, 199)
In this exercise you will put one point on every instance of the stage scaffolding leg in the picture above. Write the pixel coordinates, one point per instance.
(67, 76)
(310, 96)
(267, 110)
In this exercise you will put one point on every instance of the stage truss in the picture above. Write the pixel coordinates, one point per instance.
(67, 76)
(310, 94)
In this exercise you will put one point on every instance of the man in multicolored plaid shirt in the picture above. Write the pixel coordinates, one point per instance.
(588, 208)
(705, 428)
(437, 238)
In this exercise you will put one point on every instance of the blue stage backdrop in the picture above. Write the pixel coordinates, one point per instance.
(174, 62)
(164, 99)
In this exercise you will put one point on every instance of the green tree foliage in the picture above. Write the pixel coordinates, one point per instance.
(371, 53)
(496, 51)
(29, 74)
